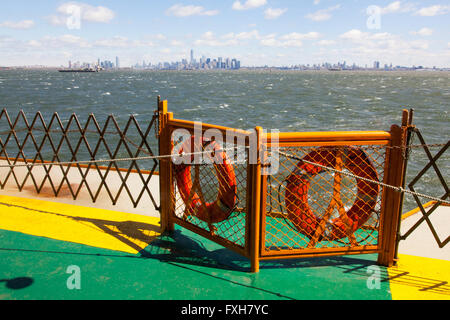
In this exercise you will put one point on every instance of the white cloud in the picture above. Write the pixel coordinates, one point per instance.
(354, 35)
(209, 39)
(326, 42)
(358, 36)
(291, 43)
(178, 10)
(301, 36)
(292, 39)
(419, 44)
(88, 12)
(24, 24)
(34, 43)
(433, 10)
(274, 13)
(176, 43)
(423, 32)
(397, 7)
(273, 42)
(249, 4)
(391, 8)
(160, 36)
(384, 45)
(115, 42)
(74, 40)
(322, 15)
(208, 35)
(229, 39)
(246, 35)
(67, 40)
(70, 41)
(316, 2)
(270, 42)
(124, 42)
(97, 14)
(4, 38)
(85, 11)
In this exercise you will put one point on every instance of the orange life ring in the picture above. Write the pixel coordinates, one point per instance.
(219, 210)
(298, 183)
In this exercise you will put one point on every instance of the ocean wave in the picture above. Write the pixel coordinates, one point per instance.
(197, 108)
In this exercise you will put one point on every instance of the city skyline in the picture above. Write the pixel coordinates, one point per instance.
(255, 32)
(203, 63)
(206, 63)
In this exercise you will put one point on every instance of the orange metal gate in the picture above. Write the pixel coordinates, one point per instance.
(324, 198)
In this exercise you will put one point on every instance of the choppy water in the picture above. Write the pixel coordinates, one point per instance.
(287, 101)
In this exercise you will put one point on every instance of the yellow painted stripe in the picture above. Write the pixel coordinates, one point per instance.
(414, 211)
(419, 278)
(425, 206)
(90, 226)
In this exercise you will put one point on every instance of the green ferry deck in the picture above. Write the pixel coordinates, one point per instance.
(120, 254)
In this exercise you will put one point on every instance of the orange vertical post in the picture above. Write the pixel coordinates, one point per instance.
(394, 176)
(170, 188)
(407, 124)
(263, 208)
(164, 166)
(255, 207)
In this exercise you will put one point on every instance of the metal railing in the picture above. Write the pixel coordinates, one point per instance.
(64, 146)
(432, 164)
(334, 193)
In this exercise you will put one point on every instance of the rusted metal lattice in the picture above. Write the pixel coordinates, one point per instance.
(309, 207)
(37, 141)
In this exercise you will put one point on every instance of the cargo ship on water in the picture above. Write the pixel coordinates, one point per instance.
(84, 69)
(79, 70)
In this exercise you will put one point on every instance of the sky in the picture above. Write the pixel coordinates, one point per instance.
(257, 32)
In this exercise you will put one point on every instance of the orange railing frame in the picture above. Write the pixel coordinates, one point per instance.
(394, 167)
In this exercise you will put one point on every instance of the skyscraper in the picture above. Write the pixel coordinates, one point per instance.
(117, 63)
(192, 56)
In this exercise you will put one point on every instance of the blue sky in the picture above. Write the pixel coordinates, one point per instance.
(258, 32)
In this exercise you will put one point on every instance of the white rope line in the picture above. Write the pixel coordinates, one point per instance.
(398, 189)
(69, 163)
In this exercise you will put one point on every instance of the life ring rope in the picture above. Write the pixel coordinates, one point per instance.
(336, 202)
(195, 190)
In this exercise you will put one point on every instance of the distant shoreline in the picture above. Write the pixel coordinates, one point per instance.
(253, 70)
